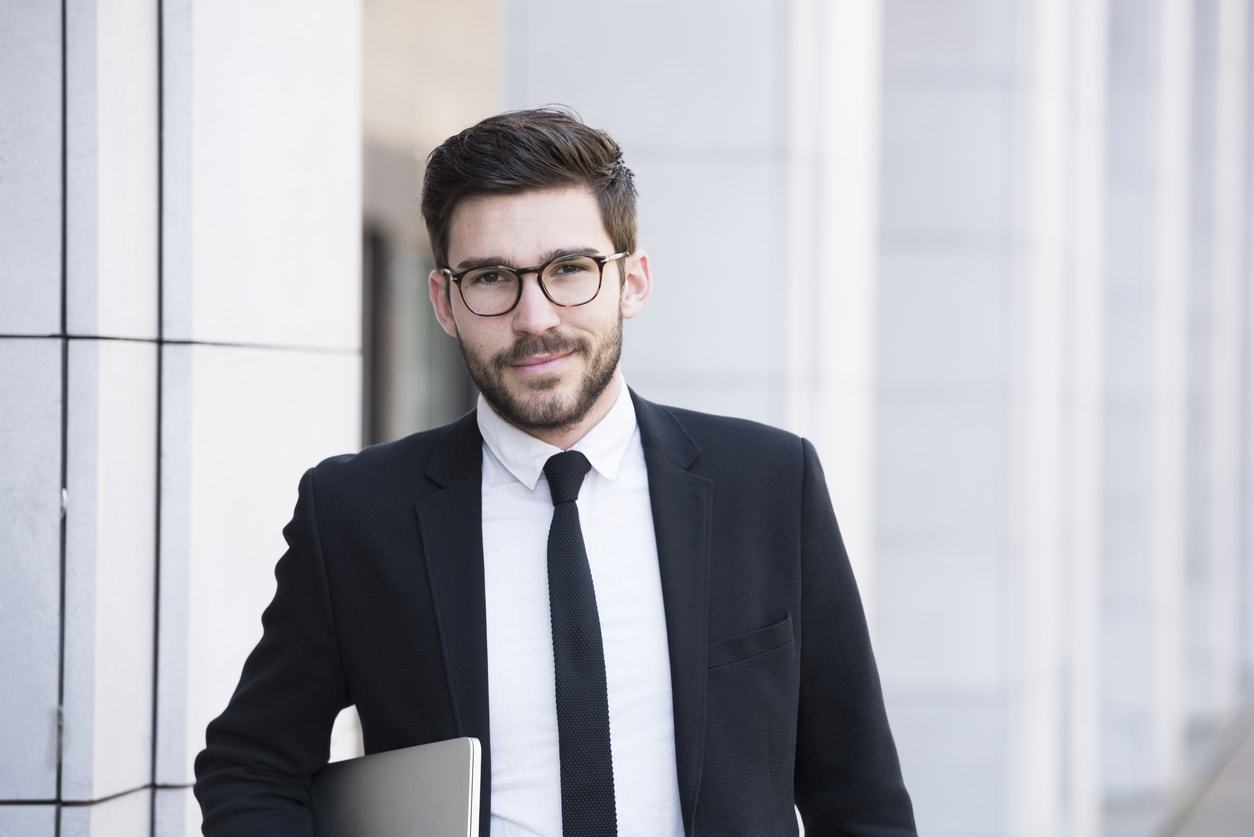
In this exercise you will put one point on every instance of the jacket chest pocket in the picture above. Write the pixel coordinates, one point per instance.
(750, 724)
(724, 652)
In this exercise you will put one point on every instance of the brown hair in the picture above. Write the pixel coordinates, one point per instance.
(523, 150)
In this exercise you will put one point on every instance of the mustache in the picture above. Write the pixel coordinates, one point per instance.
(539, 344)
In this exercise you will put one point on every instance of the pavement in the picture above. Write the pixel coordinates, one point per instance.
(1224, 805)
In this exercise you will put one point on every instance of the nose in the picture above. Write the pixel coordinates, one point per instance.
(534, 314)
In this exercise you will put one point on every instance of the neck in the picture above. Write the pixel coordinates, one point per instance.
(565, 437)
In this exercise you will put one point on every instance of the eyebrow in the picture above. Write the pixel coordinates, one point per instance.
(501, 261)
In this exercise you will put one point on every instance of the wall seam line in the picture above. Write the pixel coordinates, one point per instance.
(156, 548)
(65, 364)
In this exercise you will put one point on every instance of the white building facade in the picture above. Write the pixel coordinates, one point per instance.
(992, 256)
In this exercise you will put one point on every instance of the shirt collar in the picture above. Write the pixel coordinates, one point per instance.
(523, 455)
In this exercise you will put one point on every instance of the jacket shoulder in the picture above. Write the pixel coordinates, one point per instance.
(743, 445)
(710, 424)
(402, 462)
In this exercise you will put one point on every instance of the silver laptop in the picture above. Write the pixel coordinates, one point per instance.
(431, 790)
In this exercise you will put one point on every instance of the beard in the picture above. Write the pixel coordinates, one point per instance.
(537, 405)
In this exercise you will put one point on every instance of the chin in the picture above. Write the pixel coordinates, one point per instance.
(546, 411)
(554, 402)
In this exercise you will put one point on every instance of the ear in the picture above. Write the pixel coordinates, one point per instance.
(441, 301)
(637, 284)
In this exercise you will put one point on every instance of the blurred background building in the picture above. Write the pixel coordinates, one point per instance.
(991, 256)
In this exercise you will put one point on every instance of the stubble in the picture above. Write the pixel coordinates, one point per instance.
(539, 407)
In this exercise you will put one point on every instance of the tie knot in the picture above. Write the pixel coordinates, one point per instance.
(565, 472)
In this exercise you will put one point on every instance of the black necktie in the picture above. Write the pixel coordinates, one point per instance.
(583, 716)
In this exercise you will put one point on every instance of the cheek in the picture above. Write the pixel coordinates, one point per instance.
(601, 315)
(480, 335)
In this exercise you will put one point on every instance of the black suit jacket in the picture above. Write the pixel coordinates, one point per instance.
(380, 603)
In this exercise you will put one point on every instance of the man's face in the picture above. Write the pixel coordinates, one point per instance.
(544, 368)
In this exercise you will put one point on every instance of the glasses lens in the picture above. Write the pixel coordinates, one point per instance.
(489, 290)
(572, 281)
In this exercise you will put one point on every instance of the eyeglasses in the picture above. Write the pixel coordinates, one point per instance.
(566, 281)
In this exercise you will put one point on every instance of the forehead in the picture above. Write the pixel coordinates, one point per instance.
(520, 227)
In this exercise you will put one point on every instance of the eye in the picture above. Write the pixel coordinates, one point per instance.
(576, 266)
(487, 278)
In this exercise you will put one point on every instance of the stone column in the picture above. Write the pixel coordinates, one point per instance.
(1082, 421)
(1218, 153)
(988, 331)
(179, 263)
(832, 254)
(1142, 599)
(1247, 382)
(112, 89)
(33, 351)
(262, 314)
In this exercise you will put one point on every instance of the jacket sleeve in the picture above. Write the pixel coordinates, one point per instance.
(252, 778)
(847, 780)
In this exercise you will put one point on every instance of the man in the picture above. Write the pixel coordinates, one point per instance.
(645, 614)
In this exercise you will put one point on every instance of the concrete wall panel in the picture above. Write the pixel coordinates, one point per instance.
(28, 820)
(220, 544)
(125, 816)
(621, 68)
(30, 491)
(949, 41)
(708, 291)
(946, 164)
(30, 167)
(178, 814)
(110, 565)
(262, 203)
(112, 92)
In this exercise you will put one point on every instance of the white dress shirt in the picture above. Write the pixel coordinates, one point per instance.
(617, 523)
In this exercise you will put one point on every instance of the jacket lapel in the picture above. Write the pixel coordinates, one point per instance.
(450, 522)
(681, 504)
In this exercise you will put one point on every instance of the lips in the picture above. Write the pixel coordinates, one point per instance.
(539, 356)
(543, 363)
